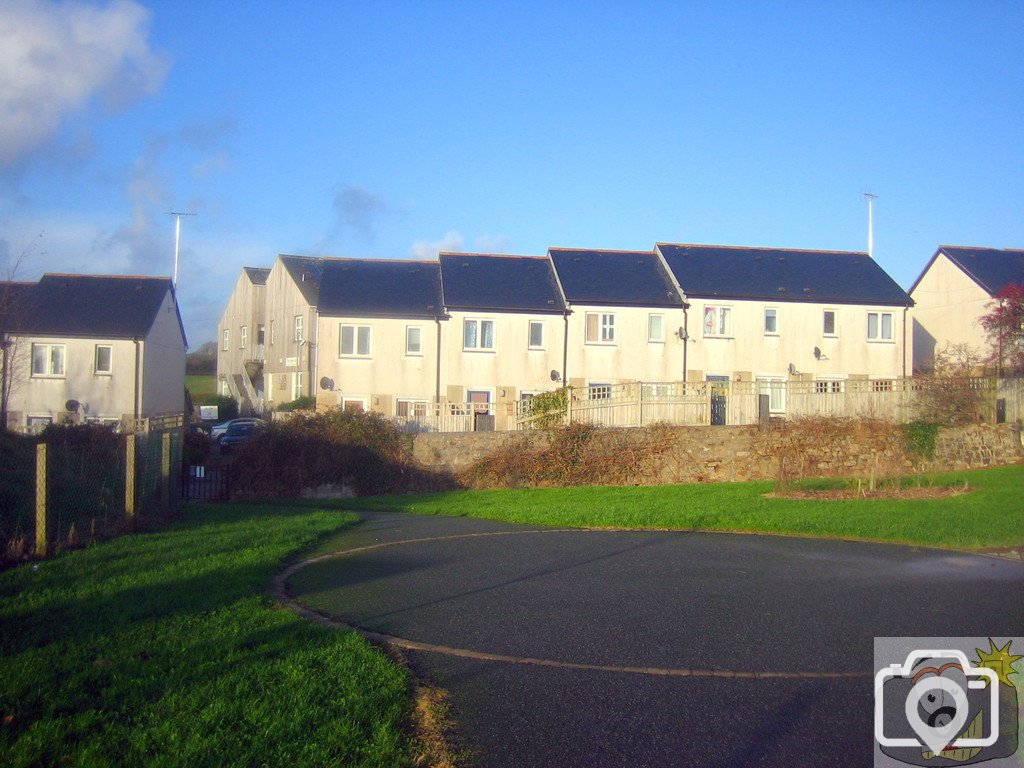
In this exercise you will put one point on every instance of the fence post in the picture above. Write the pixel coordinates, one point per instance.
(639, 404)
(42, 537)
(129, 480)
(165, 472)
(568, 405)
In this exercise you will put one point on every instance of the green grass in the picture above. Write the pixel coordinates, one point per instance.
(161, 649)
(988, 516)
(201, 386)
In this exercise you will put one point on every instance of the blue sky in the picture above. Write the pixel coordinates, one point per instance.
(392, 130)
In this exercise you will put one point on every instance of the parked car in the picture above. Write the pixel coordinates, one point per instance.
(239, 433)
(219, 430)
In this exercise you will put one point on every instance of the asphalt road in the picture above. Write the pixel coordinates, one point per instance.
(663, 602)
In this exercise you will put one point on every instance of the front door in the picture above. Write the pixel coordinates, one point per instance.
(719, 393)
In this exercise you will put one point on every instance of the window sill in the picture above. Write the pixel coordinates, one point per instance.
(414, 354)
(536, 349)
(355, 357)
(485, 351)
(726, 338)
(881, 341)
(772, 335)
(105, 374)
(655, 341)
(601, 343)
(50, 376)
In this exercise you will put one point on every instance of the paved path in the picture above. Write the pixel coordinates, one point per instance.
(597, 648)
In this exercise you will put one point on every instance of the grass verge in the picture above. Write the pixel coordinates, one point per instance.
(162, 649)
(987, 517)
(201, 386)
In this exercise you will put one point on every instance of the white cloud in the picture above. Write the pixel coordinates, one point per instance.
(493, 243)
(423, 249)
(55, 58)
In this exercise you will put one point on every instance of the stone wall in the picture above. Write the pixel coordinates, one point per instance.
(712, 454)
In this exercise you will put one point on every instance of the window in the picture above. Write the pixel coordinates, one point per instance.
(245, 336)
(655, 328)
(596, 391)
(299, 330)
(37, 424)
(355, 341)
(881, 385)
(413, 340)
(273, 331)
(829, 322)
(536, 334)
(227, 340)
(353, 404)
(224, 389)
(478, 334)
(771, 322)
(825, 386)
(103, 359)
(261, 335)
(880, 326)
(717, 321)
(600, 328)
(775, 388)
(47, 359)
(297, 385)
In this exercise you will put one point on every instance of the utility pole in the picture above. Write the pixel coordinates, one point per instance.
(871, 223)
(177, 240)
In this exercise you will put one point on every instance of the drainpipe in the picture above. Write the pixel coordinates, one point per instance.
(565, 350)
(904, 355)
(313, 358)
(137, 361)
(686, 336)
(437, 375)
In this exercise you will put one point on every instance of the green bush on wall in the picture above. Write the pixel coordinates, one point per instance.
(304, 403)
(920, 437)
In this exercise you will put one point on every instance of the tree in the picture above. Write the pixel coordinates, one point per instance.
(1005, 327)
(202, 362)
(950, 395)
(14, 305)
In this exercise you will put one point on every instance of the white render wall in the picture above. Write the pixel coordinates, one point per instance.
(947, 307)
(284, 357)
(750, 352)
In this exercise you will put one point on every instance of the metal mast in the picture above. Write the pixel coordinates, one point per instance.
(871, 223)
(177, 240)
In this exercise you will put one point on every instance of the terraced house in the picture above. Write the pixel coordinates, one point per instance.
(90, 349)
(470, 335)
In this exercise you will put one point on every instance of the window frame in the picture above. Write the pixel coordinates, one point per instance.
(658, 338)
(300, 329)
(356, 332)
(879, 338)
(835, 324)
(50, 347)
(767, 381)
(273, 331)
(418, 352)
(243, 337)
(226, 340)
(775, 317)
(529, 334)
(478, 323)
(723, 321)
(605, 329)
(96, 370)
(414, 412)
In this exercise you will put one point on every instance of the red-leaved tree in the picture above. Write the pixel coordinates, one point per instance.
(1005, 327)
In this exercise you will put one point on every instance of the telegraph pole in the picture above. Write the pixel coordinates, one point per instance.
(177, 240)
(871, 223)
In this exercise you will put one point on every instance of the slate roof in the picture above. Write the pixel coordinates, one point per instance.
(306, 271)
(257, 275)
(380, 288)
(499, 283)
(993, 269)
(781, 274)
(616, 278)
(91, 306)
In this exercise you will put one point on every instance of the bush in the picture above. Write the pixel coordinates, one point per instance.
(304, 403)
(920, 437)
(364, 451)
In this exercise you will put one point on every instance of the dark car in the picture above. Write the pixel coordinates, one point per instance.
(238, 434)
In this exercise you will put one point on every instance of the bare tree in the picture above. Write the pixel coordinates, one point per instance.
(14, 298)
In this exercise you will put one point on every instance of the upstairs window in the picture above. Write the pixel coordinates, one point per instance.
(261, 335)
(102, 364)
(227, 340)
(880, 326)
(771, 322)
(355, 341)
(536, 334)
(245, 336)
(717, 321)
(655, 328)
(273, 331)
(828, 326)
(300, 334)
(477, 334)
(413, 340)
(47, 359)
(600, 328)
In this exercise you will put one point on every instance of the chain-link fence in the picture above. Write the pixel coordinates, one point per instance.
(72, 485)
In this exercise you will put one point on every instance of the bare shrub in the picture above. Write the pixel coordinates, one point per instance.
(950, 395)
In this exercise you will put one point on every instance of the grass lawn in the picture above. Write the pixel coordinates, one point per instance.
(991, 515)
(161, 649)
(201, 386)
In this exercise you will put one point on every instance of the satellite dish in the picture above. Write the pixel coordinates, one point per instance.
(72, 405)
(556, 376)
(326, 383)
